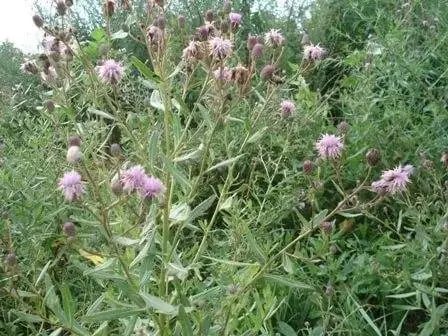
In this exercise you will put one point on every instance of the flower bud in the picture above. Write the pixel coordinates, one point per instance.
(69, 229)
(160, 22)
(373, 156)
(61, 8)
(232, 289)
(308, 167)
(38, 21)
(74, 154)
(116, 186)
(115, 150)
(11, 259)
(181, 21)
(329, 290)
(109, 8)
(334, 249)
(74, 140)
(209, 15)
(69, 3)
(225, 26)
(257, 50)
(104, 49)
(343, 127)
(50, 106)
(327, 227)
(125, 27)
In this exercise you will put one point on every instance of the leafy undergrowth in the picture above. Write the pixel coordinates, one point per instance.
(210, 192)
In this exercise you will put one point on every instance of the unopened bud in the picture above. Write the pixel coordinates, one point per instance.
(373, 156)
(347, 226)
(50, 106)
(125, 27)
(74, 154)
(308, 167)
(69, 229)
(268, 71)
(252, 41)
(109, 8)
(74, 140)
(104, 49)
(38, 21)
(329, 290)
(181, 21)
(225, 27)
(343, 127)
(11, 259)
(61, 8)
(232, 289)
(327, 227)
(115, 150)
(334, 249)
(116, 186)
(69, 3)
(257, 50)
(161, 22)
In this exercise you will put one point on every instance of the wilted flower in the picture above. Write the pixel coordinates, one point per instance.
(268, 71)
(288, 108)
(49, 74)
(257, 50)
(109, 7)
(223, 74)
(329, 146)
(29, 67)
(71, 186)
(220, 48)
(274, 38)
(61, 8)
(161, 21)
(206, 30)
(313, 52)
(393, 181)
(240, 74)
(192, 51)
(74, 154)
(155, 35)
(151, 188)
(133, 178)
(235, 19)
(50, 105)
(252, 41)
(110, 71)
(209, 15)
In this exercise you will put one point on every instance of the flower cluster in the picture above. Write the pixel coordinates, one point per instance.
(135, 179)
(393, 181)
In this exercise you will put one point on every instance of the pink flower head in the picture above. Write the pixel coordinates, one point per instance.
(71, 186)
(223, 74)
(393, 181)
(274, 38)
(132, 178)
(220, 48)
(151, 188)
(192, 51)
(110, 71)
(235, 19)
(288, 108)
(329, 146)
(313, 52)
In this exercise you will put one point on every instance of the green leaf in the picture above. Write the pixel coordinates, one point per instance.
(98, 34)
(254, 245)
(68, 303)
(178, 175)
(257, 135)
(124, 241)
(202, 208)
(102, 114)
(286, 330)
(419, 276)
(193, 155)
(180, 212)
(149, 84)
(158, 304)
(225, 163)
(27, 317)
(112, 314)
(366, 317)
(156, 100)
(119, 35)
(57, 332)
(187, 330)
(42, 273)
(286, 281)
(144, 69)
(227, 204)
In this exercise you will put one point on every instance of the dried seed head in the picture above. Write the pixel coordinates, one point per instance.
(61, 8)
(69, 229)
(209, 15)
(308, 167)
(268, 71)
(74, 140)
(115, 150)
(38, 21)
(373, 156)
(74, 154)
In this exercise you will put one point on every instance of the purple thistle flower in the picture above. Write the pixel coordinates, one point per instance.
(110, 71)
(313, 52)
(288, 108)
(71, 186)
(220, 48)
(329, 146)
(235, 19)
(132, 178)
(274, 38)
(257, 50)
(393, 181)
(151, 188)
